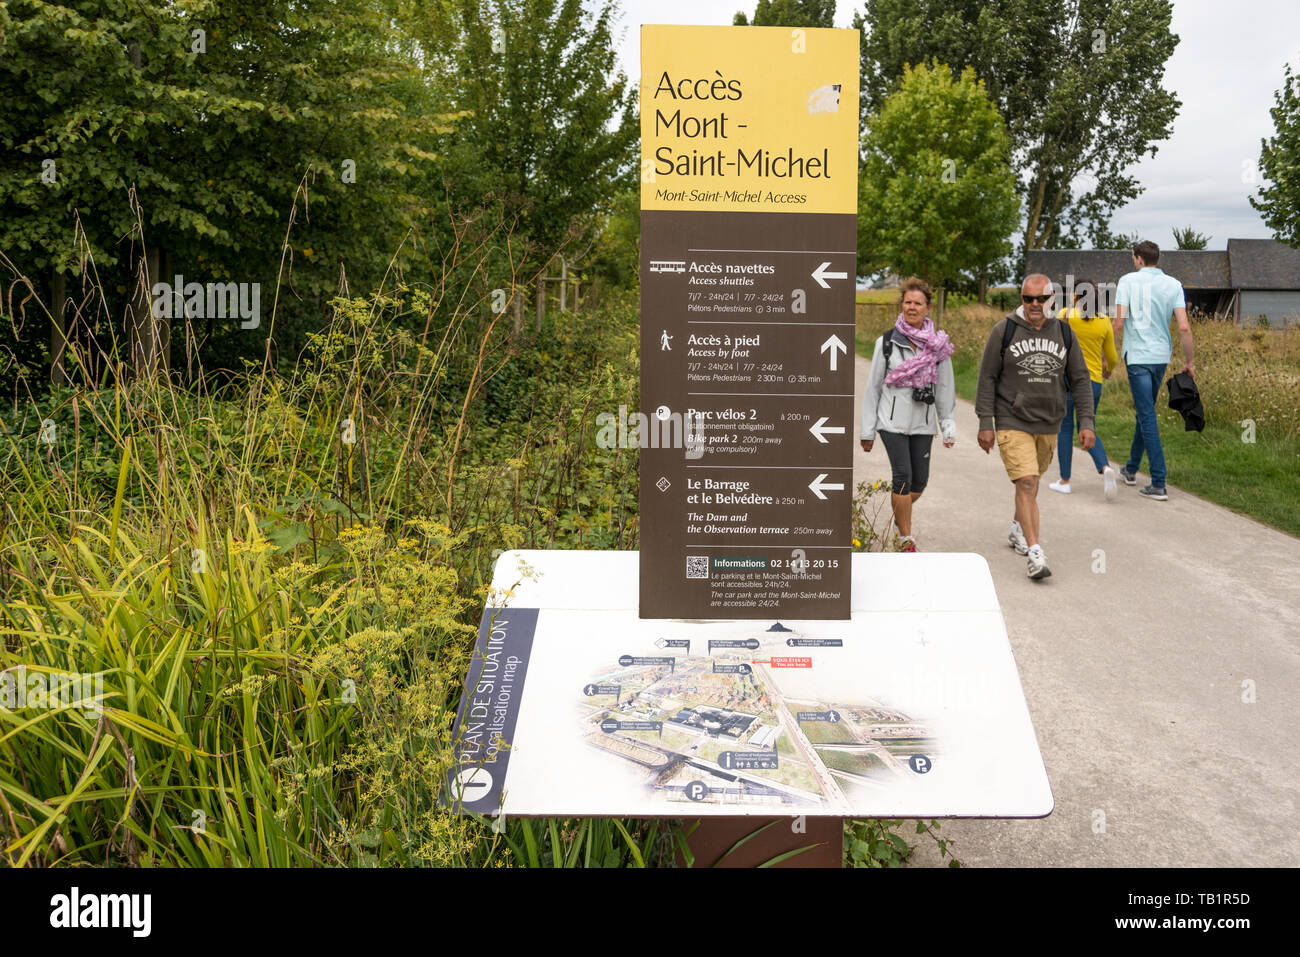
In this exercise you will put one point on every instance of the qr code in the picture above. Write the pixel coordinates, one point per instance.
(697, 566)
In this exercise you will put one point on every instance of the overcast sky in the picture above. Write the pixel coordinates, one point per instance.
(1226, 68)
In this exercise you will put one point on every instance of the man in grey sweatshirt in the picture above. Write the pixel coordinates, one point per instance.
(1020, 401)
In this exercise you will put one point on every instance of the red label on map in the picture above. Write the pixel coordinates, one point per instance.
(791, 662)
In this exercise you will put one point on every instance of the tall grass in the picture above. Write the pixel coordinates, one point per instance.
(277, 581)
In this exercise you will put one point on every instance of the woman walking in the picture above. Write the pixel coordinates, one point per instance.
(1097, 339)
(910, 397)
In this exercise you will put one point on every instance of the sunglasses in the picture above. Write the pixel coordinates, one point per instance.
(1038, 299)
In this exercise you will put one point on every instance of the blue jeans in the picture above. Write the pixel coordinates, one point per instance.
(1144, 382)
(1065, 441)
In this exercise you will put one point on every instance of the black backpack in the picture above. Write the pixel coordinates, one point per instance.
(888, 346)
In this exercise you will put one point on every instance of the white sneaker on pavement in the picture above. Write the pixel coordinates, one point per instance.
(1109, 483)
(1016, 538)
(1038, 564)
(1059, 486)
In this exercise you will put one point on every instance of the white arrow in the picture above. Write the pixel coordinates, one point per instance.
(817, 485)
(834, 344)
(820, 428)
(821, 275)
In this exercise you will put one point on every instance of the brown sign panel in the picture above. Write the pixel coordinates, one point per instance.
(747, 392)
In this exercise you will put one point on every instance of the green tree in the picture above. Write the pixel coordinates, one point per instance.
(790, 13)
(211, 116)
(544, 122)
(1077, 81)
(936, 194)
(1279, 198)
(1188, 238)
(73, 149)
(1103, 238)
(343, 134)
(616, 258)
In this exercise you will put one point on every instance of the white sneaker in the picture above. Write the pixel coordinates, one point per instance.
(1016, 538)
(1038, 564)
(1059, 486)
(1109, 483)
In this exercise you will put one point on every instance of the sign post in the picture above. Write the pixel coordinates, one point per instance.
(735, 682)
(748, 262)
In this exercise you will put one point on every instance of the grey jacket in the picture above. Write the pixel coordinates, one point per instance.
(887, 408)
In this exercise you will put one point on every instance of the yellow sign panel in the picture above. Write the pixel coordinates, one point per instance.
(749, 119)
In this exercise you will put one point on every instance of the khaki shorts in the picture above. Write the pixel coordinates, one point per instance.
(1025, 454)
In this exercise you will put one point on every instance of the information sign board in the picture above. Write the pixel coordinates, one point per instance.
(748, 262)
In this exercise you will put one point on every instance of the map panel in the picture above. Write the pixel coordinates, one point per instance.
(597, 711)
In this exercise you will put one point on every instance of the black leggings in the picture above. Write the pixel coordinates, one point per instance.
(909, 457)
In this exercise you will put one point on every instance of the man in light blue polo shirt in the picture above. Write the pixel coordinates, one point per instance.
(1145, 301)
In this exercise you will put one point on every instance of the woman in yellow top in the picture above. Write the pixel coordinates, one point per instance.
(1097, 339)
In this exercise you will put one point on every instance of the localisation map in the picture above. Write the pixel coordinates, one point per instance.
(713, 724)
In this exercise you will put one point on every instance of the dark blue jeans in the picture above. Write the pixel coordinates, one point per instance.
(1144, 382)
(1065, 441)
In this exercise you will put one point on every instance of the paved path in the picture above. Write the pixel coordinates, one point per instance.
(1135, 676)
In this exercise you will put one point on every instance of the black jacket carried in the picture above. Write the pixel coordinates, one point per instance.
(1185, 399)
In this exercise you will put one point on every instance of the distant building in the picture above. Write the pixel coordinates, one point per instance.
(1252, 277)
(765, 736)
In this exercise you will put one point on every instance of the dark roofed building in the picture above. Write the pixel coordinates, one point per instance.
(1252, 277)
(1267, 275)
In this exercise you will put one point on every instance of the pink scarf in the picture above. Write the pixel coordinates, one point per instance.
(932, 347)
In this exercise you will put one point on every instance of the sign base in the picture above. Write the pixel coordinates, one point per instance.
(754, 842)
